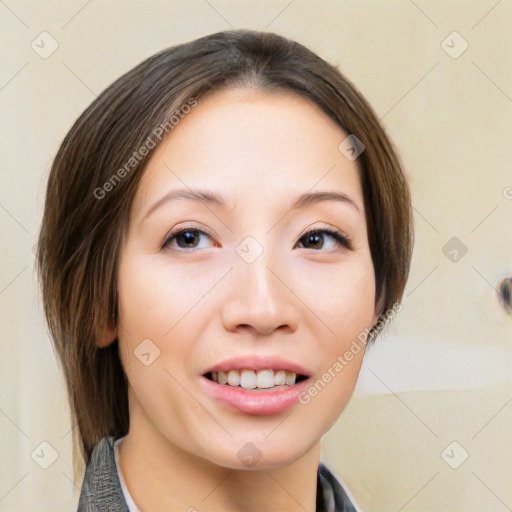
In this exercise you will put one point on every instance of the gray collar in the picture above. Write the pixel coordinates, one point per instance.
(101, 488)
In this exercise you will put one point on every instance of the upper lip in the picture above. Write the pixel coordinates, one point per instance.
(258, 363)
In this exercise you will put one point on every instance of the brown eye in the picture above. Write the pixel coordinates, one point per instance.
(317, 240)
(187, 238)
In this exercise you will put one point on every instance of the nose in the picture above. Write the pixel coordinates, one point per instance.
(260, 298)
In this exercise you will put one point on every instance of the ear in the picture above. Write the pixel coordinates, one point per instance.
(106, 337)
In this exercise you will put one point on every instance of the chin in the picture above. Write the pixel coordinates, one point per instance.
(247, 454)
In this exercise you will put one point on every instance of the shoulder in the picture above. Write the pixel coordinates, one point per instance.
(334, 496)
(101, 488)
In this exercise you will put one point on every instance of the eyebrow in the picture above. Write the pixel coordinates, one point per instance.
(209, 197)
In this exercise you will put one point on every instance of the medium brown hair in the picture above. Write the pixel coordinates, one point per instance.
(82, 229)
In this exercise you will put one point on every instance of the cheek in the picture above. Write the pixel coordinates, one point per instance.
(342, 298)
(147, 311)
(355, 303)
(156, 339)
(330, 392)
(154, 296)
(162, 310)
(344, 301)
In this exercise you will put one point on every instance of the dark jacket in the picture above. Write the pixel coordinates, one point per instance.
(101, 488)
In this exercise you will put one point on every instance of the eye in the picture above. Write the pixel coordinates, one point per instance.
(188, 238)
(316, 238)
(185, 238)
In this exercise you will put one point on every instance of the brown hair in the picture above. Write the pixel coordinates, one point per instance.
(83, 227)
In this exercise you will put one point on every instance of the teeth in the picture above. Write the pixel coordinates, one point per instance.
(280, 378)
(247, 379)
(223, 378)
(265, 379)
(250, 379)
(290, 379)
(233, 378)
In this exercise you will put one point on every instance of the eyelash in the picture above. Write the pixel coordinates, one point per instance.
(340, 237)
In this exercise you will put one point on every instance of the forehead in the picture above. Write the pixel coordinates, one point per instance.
(252, 146)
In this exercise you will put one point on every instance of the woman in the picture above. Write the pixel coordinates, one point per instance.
(226, 227)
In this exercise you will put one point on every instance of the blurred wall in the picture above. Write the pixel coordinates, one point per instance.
(429, 427)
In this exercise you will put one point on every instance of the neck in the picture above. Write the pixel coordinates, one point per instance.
(160, 475)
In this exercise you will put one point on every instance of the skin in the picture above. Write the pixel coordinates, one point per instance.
(202, 303)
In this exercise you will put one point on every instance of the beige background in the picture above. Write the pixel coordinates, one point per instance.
(442, 373)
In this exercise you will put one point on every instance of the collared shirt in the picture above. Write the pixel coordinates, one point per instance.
(104, 490)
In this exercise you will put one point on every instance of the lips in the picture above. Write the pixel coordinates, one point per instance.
(253, 384)
(275, 400)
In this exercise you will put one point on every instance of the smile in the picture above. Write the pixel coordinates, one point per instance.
(256, 379)
(255, 400)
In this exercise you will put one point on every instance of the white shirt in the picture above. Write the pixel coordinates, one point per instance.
(127, 497)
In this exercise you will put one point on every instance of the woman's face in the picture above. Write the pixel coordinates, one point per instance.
(241, 278)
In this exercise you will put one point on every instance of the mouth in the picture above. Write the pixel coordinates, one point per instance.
(256, 384)
(255, 392)
(256, 380)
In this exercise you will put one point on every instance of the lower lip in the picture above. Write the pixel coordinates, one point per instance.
(255, 402)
